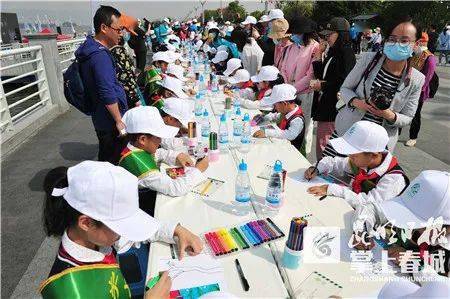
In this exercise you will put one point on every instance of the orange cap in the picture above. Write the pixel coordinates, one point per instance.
(128, 22)
(424, 37)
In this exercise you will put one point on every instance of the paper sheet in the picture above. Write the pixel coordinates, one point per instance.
(193, 271)
(317, 285)
(321, 179)
(208, 187)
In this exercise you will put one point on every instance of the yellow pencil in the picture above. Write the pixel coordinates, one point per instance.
(206, 188)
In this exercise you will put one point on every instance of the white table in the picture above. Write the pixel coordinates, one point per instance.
(262, 266)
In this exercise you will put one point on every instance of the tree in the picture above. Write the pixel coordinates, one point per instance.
(257, 14)
(212, 13)
(294, 8)
(234, 13)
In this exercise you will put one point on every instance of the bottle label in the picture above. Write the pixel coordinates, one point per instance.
(245, 139)
(223, 138)
(273, 196)
(237, 130)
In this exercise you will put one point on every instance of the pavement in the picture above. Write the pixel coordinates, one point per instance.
(27, 254)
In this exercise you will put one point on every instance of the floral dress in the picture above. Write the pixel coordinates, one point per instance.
(126, 74)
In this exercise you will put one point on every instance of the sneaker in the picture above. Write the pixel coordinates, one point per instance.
(411, 142)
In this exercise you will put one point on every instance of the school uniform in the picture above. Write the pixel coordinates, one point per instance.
(367, 185)
(292, 126)
(255, 104)
(145, 167)
(268, 73)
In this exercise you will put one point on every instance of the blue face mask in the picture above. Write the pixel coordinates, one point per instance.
(297, 39)
(397, 52)
(126, 37)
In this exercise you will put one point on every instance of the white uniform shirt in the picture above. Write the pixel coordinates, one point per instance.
(294, 129)
(175, 143)
(253, 103)
(162, 183)
(388, 187)
(252, 57)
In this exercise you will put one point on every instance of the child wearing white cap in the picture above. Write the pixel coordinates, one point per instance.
(376, 174)
(176, 113)
(168, 87)
(161, 60)
(220, 62)
(145, 129)
(91, 206)
(267, 78)
(241, 81)
(289, 114)
(233, 65)
(427, 198)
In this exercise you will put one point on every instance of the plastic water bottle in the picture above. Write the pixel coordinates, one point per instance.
(206, 126)
(246, 134)
(237, 127)
(201, 83)
(274, 188)
(223, 130)
(198, 107)
(242, 184)
(236, 102)
(214, 85)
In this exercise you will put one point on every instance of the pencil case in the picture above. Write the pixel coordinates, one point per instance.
(229, 240)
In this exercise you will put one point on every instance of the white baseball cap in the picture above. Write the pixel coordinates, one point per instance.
(222, 48)
(264, 18)
(249, 20)
(241, 76)
(267, 73)
(404, 288)
(147, 120)
(175, 85)
(275, 14)
(178, 108)
(198, 44)
(227, 23)
(280, 93)
(230, 28)
(162, 56)
(177, 71)
(194, 20)
(109, 194)
(174, 56)
(232, 65)
(427, 196)
(362, 137)
(166, 20)
(220, 56)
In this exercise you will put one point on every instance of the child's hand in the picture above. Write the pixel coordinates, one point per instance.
(394, 252)
(187, 242)
(161, 288)
(318, 190)
(311, 173)
(259, 134)
(184, 160)
(202, 164)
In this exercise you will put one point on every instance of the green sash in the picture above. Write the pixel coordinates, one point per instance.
(152, 81)
(90, 281)
(138, 162)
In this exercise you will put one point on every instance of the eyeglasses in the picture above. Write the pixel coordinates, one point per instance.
(402, 40)
(117, 30)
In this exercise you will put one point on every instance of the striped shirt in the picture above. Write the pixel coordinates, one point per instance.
(390, 82)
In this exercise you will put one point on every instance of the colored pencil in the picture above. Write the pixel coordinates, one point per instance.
(247, 236)
(268, 228)
(206, 187)
(275, 227)
(241, 237)
(261, 231)
(211, 244)
(264, 229)
(255, 234)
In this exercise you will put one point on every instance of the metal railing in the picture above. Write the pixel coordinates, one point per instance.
(24, 91)
(66, 51)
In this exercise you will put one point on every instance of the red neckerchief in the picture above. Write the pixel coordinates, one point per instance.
(248, 84)
(284, 122)
(363, 176)
(261, 93)
(108, 259)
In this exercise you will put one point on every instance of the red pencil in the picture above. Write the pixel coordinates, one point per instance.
(211, 244)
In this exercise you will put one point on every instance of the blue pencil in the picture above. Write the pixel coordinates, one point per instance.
(254, 234)
(291, 234)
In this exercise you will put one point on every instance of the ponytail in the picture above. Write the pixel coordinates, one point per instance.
(58, 214)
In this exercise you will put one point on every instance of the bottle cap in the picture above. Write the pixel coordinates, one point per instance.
(198, 95)
(246, 117)
(238, 111)
(278, 167)
(243, 166)
(205, 113)
(223, 118)
(213, 141)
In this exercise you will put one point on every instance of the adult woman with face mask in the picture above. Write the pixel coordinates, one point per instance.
(382, 87)
(297, 70)
(332, 63)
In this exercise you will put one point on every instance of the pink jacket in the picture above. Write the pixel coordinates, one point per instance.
(279, 51)
(296, 67)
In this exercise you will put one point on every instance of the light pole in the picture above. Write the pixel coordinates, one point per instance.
(203, 11)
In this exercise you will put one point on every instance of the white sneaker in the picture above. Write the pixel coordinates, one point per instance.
(411, 142)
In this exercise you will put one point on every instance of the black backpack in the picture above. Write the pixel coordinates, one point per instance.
(74, 89)
(434, 85)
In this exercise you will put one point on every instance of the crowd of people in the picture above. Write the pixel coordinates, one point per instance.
(289, 69)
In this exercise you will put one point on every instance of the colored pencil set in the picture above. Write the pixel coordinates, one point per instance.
(225, 241)
(295, 238)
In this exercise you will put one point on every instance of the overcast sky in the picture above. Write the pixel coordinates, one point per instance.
(80, 11)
